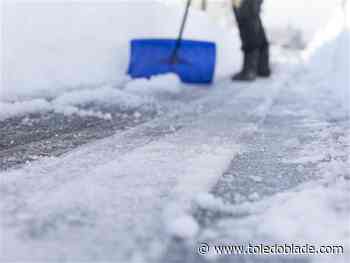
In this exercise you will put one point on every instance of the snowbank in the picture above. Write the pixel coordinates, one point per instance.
(289, 23)
(297, 21)
(328, 56)
(51, 47)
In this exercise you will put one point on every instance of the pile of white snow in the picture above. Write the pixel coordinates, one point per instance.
(59, 55)
(295, 23)
(51, 48)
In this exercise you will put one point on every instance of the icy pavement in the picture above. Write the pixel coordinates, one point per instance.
(266, 162)
(47, 135)
(289, 184)
(49, 127)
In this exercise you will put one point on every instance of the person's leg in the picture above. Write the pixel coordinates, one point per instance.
(254, 42)
(264, 56)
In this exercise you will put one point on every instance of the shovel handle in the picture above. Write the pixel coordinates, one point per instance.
(182, 29)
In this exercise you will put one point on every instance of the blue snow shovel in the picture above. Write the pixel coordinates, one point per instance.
(192, 61)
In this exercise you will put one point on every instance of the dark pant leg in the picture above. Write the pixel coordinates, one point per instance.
(250, 25)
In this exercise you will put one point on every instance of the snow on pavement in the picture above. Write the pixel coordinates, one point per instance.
(136, 94)
(124, 185)
(303, 198)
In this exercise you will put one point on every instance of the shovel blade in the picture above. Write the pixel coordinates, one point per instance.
(194, 62)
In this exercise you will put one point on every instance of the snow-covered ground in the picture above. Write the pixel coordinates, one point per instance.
(84, 46)
(317, 101)
(124, 198)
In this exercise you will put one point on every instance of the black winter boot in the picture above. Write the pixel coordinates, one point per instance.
(264, 62)
(250, 67)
